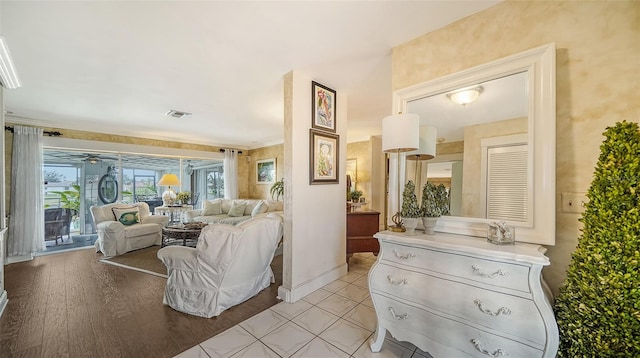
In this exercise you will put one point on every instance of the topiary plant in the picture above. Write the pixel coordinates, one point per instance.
(598, 308)
(410, 208)
(435, 200)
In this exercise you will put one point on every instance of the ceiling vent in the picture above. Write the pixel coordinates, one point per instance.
(177, 114)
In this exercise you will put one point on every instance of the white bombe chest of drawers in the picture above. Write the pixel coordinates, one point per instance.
(460, 296)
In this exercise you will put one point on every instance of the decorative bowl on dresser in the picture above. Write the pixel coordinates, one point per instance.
(460, 296)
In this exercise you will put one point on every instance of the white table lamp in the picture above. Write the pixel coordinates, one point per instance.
(400, 133)
(169, 196)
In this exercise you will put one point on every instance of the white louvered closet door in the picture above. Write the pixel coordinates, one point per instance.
(507, 187)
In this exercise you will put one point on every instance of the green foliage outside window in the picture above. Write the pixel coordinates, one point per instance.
(598, 308)
(70, 199)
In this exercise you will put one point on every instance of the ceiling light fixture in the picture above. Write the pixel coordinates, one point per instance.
(177, 114)
(8, 75)
(464, 96)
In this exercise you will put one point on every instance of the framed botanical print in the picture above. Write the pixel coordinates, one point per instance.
(266, 171)
(323, 111)
(323, 157)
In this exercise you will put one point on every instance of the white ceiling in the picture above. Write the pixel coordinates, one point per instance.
(117, 67)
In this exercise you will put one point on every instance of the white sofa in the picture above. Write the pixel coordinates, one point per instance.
(115, 238)
(218, 211)
(229, 265)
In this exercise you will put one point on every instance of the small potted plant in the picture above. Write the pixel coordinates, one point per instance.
(355, 195)
(277, 189)
(410, 210)
(183, 197)
(435, 203)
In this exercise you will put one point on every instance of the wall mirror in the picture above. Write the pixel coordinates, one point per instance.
(514, 114)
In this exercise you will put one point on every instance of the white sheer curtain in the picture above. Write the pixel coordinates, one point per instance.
(26, 220)
(201, 185)
(230, 174)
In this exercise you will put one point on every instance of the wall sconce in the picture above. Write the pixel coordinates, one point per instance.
(464, 96)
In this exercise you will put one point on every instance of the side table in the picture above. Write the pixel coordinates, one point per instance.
(173, 212)
(361, 226)
(175, 235)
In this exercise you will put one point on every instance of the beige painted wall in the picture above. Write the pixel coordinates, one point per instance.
(261, 191)
(370, 173)
(598, 76)
(361, 152)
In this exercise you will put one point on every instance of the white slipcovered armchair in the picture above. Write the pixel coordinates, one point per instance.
(115, 238)
(229, 265)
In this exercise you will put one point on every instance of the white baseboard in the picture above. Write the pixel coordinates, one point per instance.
(15, 259)
(3, 301)
(300, 291)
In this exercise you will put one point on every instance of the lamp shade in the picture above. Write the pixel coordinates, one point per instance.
(427, 149)
(400, 133)
(169, 179)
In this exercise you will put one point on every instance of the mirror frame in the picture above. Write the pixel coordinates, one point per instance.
(540, 65)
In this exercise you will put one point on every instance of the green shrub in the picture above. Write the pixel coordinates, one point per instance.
(598, 308)
(410, 208)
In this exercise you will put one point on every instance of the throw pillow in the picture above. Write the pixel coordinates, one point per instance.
(212, 207)
(260, 208)
(127, 215)
(237, 209)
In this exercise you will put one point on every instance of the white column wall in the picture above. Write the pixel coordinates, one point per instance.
(315, 215)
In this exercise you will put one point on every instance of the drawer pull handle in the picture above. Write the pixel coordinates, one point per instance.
(478, 271)
(403, 257)
(502, 310)
(398, 317)
(498, 353)
(396, 282)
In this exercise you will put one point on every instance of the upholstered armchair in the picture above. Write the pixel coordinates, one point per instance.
(229, 265)
(126, 227)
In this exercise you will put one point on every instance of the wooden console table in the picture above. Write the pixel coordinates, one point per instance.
(361, 226)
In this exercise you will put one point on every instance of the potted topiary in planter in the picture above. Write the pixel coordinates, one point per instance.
(598, 308)
(435, 203)
(410, 210)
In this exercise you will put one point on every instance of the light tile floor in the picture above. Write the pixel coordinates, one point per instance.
(337, 320)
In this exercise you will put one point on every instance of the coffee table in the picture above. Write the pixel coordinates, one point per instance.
(176, 235)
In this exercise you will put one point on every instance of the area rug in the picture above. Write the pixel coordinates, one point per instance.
(143, 260)
(146, 260)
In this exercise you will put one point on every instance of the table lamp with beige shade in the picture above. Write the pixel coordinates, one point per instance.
(169, 196)
(400, 134)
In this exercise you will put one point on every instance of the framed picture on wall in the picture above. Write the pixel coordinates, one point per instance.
(323, 157)
(266, 171)
(323, 111)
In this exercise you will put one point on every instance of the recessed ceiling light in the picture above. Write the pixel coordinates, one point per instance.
(177, 114)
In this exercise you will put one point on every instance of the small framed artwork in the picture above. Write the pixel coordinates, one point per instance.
(323, 111)
(266, 171)
(323, 157)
